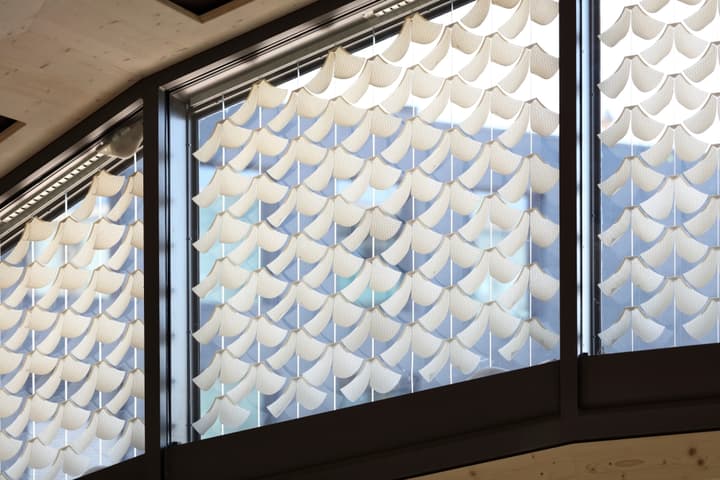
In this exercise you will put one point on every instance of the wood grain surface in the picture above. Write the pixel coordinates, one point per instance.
(693, 456)
(62, 59)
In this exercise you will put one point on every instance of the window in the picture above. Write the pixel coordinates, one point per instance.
(383, 223)
(71, 316)
(659, 175)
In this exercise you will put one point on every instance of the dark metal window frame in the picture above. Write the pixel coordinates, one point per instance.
(578, 398)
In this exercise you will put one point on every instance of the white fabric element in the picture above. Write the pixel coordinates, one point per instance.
(306, 395)
(225, 321)
(262, 94)
(632, 71)
(225, 181)
(133, 436)
(103, 184)
(635, 18)
(533, 173)
(703, 16)
(705, 65)
(134, 188)
(258, 377)
(636, 269)
(705, 117)
(685, 145)
(634, 120)
(528, 329)
(374, 374)
(226, 134)
(34, 230)
(704, 323)
(677, 240)
(634, 168)
(532, 279)
(705, 270)
(705, 218)
(678, 291)
(224, 409)
(674, 37)
(633, 319)
(634, 219)
(676, 87)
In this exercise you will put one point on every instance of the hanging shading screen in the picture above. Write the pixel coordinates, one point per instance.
(71, 328)
(383, 224)
(659, 167)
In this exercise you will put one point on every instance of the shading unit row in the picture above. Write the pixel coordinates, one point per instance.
(385, 226)
(660, 179)
(72, 383)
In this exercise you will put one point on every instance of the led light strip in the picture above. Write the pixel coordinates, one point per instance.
(54, 186)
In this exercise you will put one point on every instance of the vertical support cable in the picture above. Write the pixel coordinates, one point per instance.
(372, 253)
(65, 339)
(491, 226)
(33, 423)
(223, 205)
(100, 395)
(134, 299)
(674, 254)
(414, 255)
(298, 229)
(632, 232)
(529, 256)
(335, 244)
(452, 179)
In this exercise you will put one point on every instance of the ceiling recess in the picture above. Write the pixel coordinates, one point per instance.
(204, 10)
(8, 126)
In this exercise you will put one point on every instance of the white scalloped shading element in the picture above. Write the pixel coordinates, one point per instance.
(71, 293)
(634, 18)
(531, 328)
(675, 141)
(632, 167)
(705, 322)
(632, 120)
(635, 269)
(660, 168)
(632, 319)
(633, 71)
(383, 222)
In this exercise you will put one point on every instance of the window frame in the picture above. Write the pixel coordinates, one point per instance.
(578, 398)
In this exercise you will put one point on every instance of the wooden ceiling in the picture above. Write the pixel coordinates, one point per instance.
(62, 59)
(693, 456)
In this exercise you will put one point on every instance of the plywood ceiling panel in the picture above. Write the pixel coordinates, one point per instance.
(62, 59)
(694, 456)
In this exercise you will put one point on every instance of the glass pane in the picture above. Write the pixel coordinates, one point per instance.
(659, 174)
(71, 318)
(384, 224)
